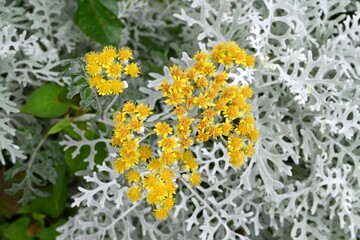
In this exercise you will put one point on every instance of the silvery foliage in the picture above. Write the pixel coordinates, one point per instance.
(303, 180)
(34, 37)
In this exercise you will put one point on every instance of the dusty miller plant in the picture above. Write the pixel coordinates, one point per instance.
(303, 180)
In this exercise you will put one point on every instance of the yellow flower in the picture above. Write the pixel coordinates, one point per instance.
(133, 176)
(169, 188)
(119, 117)
(121, 132)
(135, 124)
(202, 82)
(125, 53)
(143, 110)
(249, 150)
(186, 142)
(119, 165)
(201, 56)
(253, 135)
(203, 101)
(250, 61)
(130, 145)
(93, 68)
(220, 105)
(236, 158)
(220, 79)
(129, 107)
(106, 57)
(248, 119)
(240, 57)
(208, 68)
(189, 161)
(134, 193)
(91, 57)
(114, 70)
(180, 111)
(195, 179)
(168, 158)
(116, 86)
(152, 197)
(131, 158)
(204, 123)
(226, 127)
(145, 152)
(150, 181)
(232, 112)
(154, 165)
(95, 80)
(168, 144)
(246, 91)
(132, 69)
(164, 88)
(215, 131)
(176, 71)
(235, 143)
(168, 202)
(202, 136)
(166, 174)
(161, 213)
(162, 129)
(104, 87)
(242, 128)
(174, 98)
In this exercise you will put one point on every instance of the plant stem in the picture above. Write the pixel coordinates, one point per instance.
(113, 101)
(98, 101)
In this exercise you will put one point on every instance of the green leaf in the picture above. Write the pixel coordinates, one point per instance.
(60, 125)
(50, 232)
(98, 22)
(111, 5)
(77, 163)
(17, 230)
(47, 102)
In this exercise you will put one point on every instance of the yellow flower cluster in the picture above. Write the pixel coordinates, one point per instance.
(206, 108)
(148, 172)
(105, 69)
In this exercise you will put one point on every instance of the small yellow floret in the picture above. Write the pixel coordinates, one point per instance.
(145, 152)
(125, 53)
(133, 176)
(119, 165)
(166, 174)
(132, 69)
(168, 144)
(143, 110)
(113, 70)
(154, 165)
(116, 86)
(134, 193)
(95, 80)
(129, 107)
(168, 202)
(161, 213)
(162, 129)
(195, 179)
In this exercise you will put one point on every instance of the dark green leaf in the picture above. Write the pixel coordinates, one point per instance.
(98, 22)
(46, 102)
(50, 232)
(60, 125)
(77, 163)
(17, 230)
